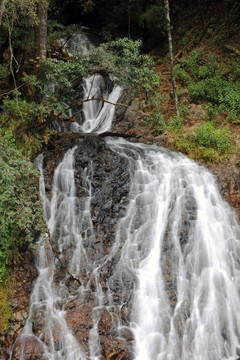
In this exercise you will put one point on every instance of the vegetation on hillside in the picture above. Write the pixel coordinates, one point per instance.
(214, 84)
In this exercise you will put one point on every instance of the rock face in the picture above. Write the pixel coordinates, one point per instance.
(109, 177)
(19, 297)
(228, 176)
(110, 186)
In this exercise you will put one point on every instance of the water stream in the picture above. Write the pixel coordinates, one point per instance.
(177, 254)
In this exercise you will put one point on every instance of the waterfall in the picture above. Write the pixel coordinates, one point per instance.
(167, 287)
(97, 118)
(98, 109)
(179, 231)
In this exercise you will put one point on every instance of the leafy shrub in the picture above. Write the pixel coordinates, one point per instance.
(185, 38)
(210, 137)
(192, 62)
(175, 124)
(123, 59)
(3, 72)
(208, 81)
(236, 70)
(211, 89)
(182, 76)
(20, 209)
(230, 101)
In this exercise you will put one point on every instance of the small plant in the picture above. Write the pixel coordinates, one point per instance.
(175, 124)
(182, 76)
(192, 62)
(3, 72)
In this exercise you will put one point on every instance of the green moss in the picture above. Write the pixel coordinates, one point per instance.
(5, 310)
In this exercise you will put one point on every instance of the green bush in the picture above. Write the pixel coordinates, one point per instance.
(182, 76)
(211, 82)
(5, 310)
(230, 101)
(20, 209)
(210, 89)
(210, 137)
(175, 124)
(192, 62)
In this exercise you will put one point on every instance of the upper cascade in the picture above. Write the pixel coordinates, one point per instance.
(99, 95)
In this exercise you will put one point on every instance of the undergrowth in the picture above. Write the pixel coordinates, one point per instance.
(208, 143)
(20, 209)
(211, 82)
(215, 85)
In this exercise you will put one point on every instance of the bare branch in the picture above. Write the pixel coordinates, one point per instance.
(91, 86)
(58, 115)
(10, 91)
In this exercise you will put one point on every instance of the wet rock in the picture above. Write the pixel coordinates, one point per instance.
(169, 253)
(109, 180)
(228, 178)
(28, 348)
(79, 319)
(18, 298)
(115, 349)
(197, 112)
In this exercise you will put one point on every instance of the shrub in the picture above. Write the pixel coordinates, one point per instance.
(20, 209)
(182, 76)
(191, 63)
(175, 124)
(212, 82)
(210, 137)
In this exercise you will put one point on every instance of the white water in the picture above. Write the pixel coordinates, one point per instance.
(179, 258)
(204, 269)
(97, 114)
(77, 43)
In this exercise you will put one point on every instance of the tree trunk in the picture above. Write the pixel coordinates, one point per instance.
(129, 19)
(42, 28)
(171, 56)
(2, 9)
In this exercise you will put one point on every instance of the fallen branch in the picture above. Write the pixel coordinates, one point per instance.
(196, 38)
(112, 134)
(10, 91)
(233, 49)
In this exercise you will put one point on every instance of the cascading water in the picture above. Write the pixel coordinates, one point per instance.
(179, 232)
(98, 117)
(97, 114)
(171, 288)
